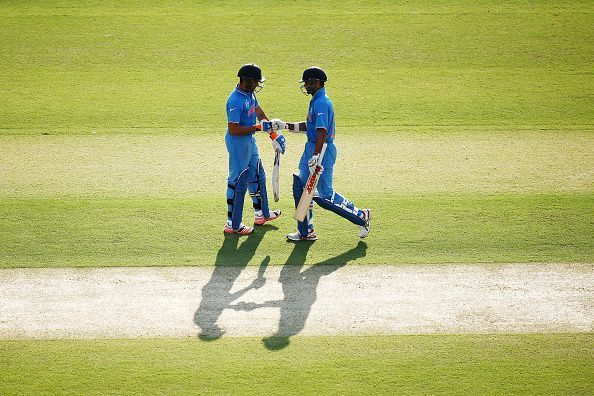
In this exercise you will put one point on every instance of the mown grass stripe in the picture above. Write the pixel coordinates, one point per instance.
(465, 228)
(451, 364)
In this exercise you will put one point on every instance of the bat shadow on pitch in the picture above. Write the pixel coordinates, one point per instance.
(233, 256)
(300, 291)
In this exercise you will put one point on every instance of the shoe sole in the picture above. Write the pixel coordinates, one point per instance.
(230, 232)
(302, 239)
(263, 221)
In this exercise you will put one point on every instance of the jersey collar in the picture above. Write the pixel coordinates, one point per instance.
(320, 92)
(241, 91)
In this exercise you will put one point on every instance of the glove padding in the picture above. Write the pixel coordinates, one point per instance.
(264, 126)
(278, 125)
(313, 163)
(278, 142)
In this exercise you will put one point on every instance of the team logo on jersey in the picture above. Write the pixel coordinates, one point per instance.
(251, 110)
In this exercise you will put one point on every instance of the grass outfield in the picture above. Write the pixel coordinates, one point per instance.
(556, 364)
(172, 232)
(152, 65)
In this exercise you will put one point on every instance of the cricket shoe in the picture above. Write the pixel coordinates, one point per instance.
(242, 230)
(364, 229)
(296, 236)
(274, 214)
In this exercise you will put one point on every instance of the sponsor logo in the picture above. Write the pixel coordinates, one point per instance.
(312, 181)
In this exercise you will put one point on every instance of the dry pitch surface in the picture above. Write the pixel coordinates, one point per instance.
(290, 300)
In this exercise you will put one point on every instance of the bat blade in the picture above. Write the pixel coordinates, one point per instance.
(275, 171)
(309, 190)
(307, 196)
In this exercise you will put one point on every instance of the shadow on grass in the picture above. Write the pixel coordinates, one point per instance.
(300, 291)
(231, 259)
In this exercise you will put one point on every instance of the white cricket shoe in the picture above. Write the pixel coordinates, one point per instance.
(364, 229)
(296, 236)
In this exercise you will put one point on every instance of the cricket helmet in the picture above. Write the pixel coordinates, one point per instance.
(314, 73)
(252, 71)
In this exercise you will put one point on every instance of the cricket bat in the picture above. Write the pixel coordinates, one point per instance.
(275, 170)
(309, 190)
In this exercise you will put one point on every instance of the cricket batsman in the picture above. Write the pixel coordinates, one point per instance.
(319, 128)
(245, 167)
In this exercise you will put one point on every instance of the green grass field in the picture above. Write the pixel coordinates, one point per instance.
(479, 364)
(467, 127)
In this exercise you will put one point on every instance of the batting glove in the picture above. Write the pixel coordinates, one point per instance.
(313, 163)
(264, 126)
(278, 142)
(278, 125)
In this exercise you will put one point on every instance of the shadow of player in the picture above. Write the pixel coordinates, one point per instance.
(300, 291)
(231, 259)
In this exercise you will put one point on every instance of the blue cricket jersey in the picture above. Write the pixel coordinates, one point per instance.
(320, 115)
(241, 108)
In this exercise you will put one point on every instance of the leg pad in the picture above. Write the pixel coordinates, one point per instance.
(342, 207)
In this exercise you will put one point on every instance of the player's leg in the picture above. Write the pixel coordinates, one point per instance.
(235, 197)
(305, 229)
(340, 205)
(331, 200)
(236, 187)
(257, 189)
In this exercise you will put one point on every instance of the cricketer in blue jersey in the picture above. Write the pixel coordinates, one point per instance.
(245, 167)
(319, 128)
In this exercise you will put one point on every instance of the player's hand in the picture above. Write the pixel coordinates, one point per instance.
(264, 126)
(278, 142)
(313, 163)
(278, 125)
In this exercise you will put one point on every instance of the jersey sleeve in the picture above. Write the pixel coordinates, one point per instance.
(322, 115)
(233, 110)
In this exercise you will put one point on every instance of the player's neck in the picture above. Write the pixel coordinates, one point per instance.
(318, 92)
(244, 89)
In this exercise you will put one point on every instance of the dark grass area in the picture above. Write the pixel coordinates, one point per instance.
(553, 364)
(464, 228)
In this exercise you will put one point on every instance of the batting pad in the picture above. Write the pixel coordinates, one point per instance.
(342, 207)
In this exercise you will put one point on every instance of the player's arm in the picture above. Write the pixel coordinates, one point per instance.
(297, 126)
(320, 140)
(321, 125)
(314, 162)
(278, 125)
(260, 114)
(237, 130)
